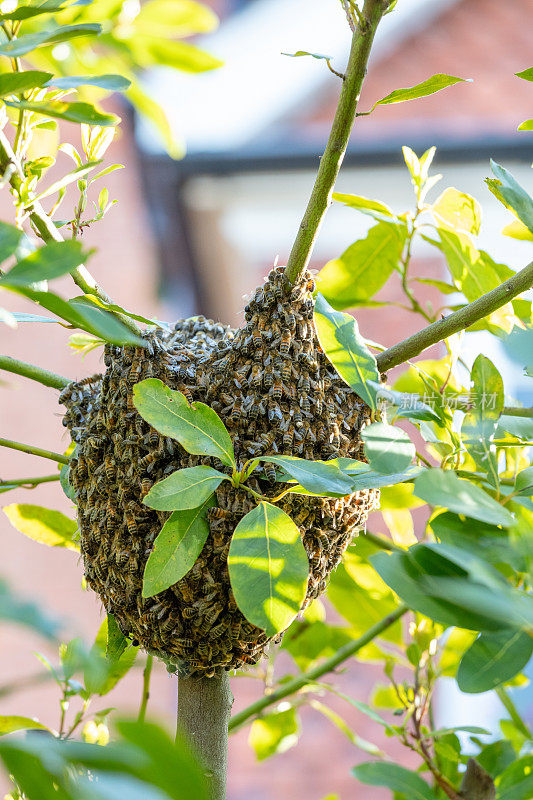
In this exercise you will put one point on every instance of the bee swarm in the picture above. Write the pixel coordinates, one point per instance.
(277, 393)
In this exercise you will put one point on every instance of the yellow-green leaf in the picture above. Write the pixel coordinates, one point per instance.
(43, 525)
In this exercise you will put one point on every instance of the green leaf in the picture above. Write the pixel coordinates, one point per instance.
(111, 83)
(443, 488)
(394, 777)
(319, 477)
(526, 125)
(48, 262)
(516, 781)
(13, 723)
(43, 525)
(169, 19)
(116, 641)
(184, 489)
(369, 479)
(18, 82)
(299, 53)
(480, 423)
(427, 87)
(364, 268)
(30, 41)
(195, 426)
(458, 210)
(75, 175)
(268, 568)
(274, 733)
(9, 240)
(517, 230)
(64, 479)
(519, 427)
(454, 587)
(346, 349)
(79, 113)
(176, 549)
(524, 482)
(153, 51)
(516, 198)
(493, 659)
(102, 672)
(487, 541)
(159, 118)
(102, 324)
(22, 12)
(526, 74)
(379, 211)
(388, 449)
(496, 756)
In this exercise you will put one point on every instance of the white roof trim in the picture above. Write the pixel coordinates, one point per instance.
(229, 107)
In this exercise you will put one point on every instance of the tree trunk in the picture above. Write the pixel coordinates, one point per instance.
(204, 706)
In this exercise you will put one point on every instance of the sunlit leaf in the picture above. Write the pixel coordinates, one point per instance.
(427, 87)
(268, 568)
(394, 777)
(443, 488)
(18, 82)
(315, 476)
(459, 210)
(184, 489)
(43, 525)
(480, 423)
(346, 349)
(14, 723)
(80, 113)
(388, 448)
(30, 41)
(112, 83)
(274, 733)
(48, 262)
(515, 196)
(195, 426)
(493, 659)
(364, 268)
(373, 208)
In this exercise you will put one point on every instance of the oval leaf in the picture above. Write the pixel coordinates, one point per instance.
(17, 82)
(268, 568)
(9, 240)
(48, 262)
(79, 113)
(346, 349)
(28, 42)
(443, 488)
(176, 548)
(394, 777)
(434, 84)
(112, 83)
(14, 723)
(494, 658)
(388, 449)
(43, 525)
(195, 426)
(185, 488)
(318, 477)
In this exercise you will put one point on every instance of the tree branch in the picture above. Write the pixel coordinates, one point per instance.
(329, 664)
(147, 673)
(514, 411)
(34, 373)
(458, 321)
(34, 451)
(48, 231)
(333, 156)
(30, 483)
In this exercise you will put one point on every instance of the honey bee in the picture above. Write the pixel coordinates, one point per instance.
(129, 403)
(218, 513)
(146, 485)
(189, 612)
(285, 343)
(288, 437)
(185, 644)
(186, 392)
(277, 390)
(270, 472)
(311, 285)
(148, 459)
(290, 319)
(130, 523)
(268, 378)
(301, 516)
(257, 339)
(236, 412)
(286, 371)
(134, 371)
(204, 649)
(167, 624)
(238, 506)
(257, 375)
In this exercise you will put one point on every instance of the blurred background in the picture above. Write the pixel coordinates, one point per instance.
(197, 235)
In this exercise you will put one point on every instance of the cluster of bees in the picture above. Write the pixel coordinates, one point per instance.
(277, 394)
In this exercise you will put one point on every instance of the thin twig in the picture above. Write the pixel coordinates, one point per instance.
(34, 373)
(458, 321)
(291, 687)
(49, 232)
(147, 672)
(34, 451)
(30, 483)
(331, 161)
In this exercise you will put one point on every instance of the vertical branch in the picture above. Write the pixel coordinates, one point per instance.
(332, 159)
(204, 706)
